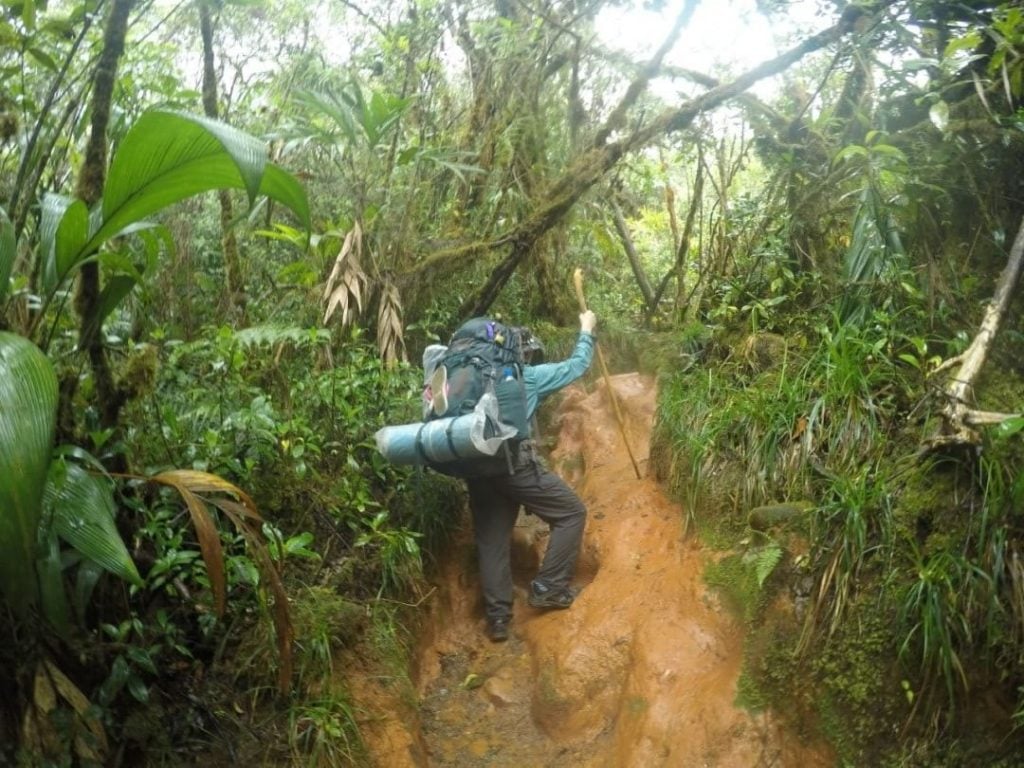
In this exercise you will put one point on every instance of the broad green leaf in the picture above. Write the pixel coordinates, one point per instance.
(854, 150)
(28, 14)
(888, 150)
(63, 28)
(911, 65)
(377, 117)
(113, 293)
(80, 454)
(83, 515)
(28, 409)
(1010, 427)
(119, 263)
(43, 58)
(910, 360)
(339, 113)
(967, 42)
(72, 232)
(85, 582)
(64, 229)
(169, 156)
(161, 142)
(8, 248)
(280, 185)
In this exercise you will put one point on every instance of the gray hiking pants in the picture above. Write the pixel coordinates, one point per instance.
(495, 502)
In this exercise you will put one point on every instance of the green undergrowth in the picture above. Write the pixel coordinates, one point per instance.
(288, 415)
(880, 585)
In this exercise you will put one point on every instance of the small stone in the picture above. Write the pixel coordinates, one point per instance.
(500, 689)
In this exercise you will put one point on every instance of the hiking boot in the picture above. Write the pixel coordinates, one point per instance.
(439, 390)
(546, 597)
(497, 630)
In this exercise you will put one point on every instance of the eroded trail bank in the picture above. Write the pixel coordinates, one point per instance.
(641, 671)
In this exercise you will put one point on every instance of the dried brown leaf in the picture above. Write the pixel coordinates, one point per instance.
(347, 282)
(85, 712)
(242, 511)
(390, 333)
(241, 516)
(206, 529)
(205, 482)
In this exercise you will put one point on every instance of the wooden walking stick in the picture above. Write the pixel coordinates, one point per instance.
(577, 280)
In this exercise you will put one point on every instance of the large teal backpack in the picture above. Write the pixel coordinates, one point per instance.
(485, 355)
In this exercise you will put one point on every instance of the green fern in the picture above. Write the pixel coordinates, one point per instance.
(273, 335)
(764, 560)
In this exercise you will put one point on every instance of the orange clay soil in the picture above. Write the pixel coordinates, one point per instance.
(641, 671)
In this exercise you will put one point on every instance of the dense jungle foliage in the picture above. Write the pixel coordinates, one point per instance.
(228, 228)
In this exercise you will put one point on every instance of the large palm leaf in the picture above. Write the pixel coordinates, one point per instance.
(166, 157)
(28, 408)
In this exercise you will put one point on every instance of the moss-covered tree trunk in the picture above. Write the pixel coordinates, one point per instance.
(90, 189)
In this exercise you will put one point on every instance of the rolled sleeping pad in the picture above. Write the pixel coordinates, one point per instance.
(473, 435)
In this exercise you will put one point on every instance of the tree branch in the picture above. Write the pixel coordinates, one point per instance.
(618, 116)
(634, 258)
(591, 165)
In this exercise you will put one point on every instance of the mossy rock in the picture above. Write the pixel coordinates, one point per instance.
(770, 515)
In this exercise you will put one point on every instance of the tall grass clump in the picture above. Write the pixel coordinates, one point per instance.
(850, 525)
(852, 398)
(962, 602)
(738, 438)
(936, 608)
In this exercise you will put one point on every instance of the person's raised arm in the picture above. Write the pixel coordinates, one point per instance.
(551, 377)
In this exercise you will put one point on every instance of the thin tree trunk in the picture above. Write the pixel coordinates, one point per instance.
(670, 201)
(236, 297)
(90, 190)
(682, 246)
(690, 308)
(683, 253)
(959, 418)
(634, 259)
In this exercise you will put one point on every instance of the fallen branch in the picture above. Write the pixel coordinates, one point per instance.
(958, 417)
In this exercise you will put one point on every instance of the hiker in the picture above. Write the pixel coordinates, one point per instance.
(495, 501)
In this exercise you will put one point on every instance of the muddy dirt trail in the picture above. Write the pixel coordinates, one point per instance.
(641, 671)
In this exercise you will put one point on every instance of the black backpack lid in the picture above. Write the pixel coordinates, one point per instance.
(483, 329)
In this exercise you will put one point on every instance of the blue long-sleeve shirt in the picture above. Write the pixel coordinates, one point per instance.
(547, 378)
